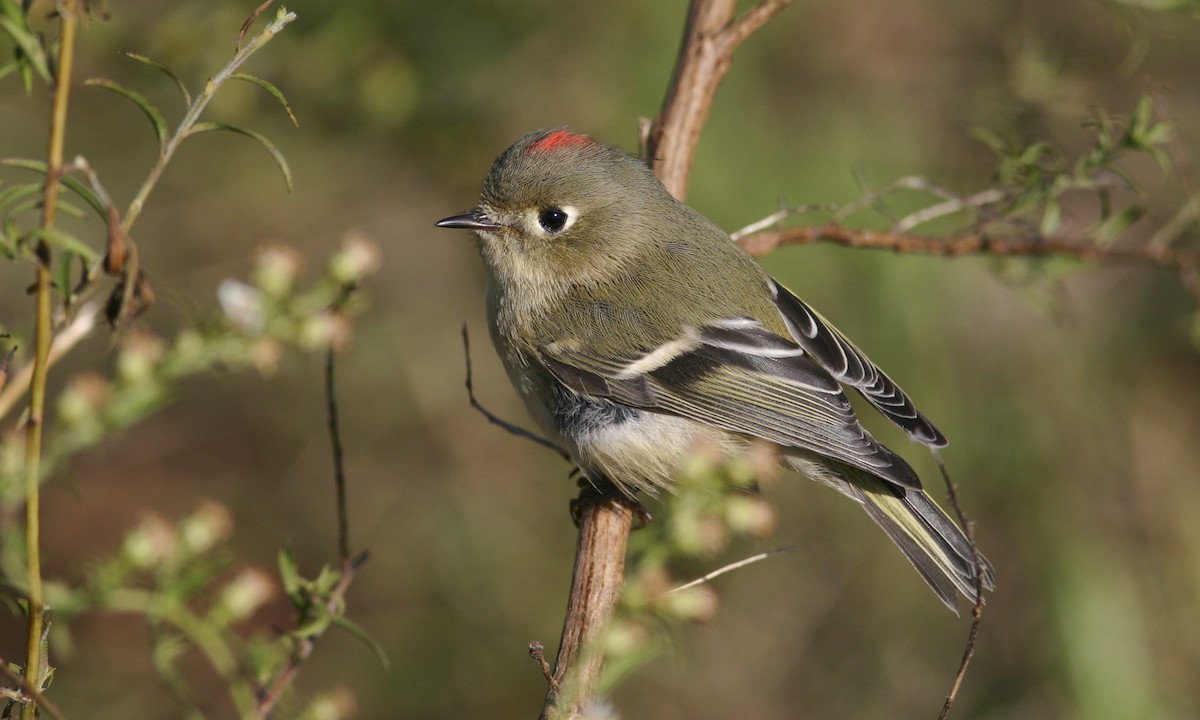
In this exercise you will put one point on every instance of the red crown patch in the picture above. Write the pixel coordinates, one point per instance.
(558, 140)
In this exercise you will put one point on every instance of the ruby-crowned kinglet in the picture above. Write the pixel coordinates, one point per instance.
(635, 330)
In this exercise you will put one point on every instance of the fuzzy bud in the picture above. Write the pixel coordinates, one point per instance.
(209, 524)
(246, 593)
(276, 271)
(357, 258)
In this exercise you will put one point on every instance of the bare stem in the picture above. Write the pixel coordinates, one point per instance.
(34, 659)
(709, 39)
(604, 525)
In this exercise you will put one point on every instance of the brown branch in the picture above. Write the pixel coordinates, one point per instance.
(710, 36)
(764, 242)
(604, 525)
(976, 611)
(709, 39)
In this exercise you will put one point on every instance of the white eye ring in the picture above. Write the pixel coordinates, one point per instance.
(554, 220)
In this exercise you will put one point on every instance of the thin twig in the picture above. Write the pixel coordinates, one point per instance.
(948, 206)
(494, 419)
(538, 652)
(774, 218)
(733, 566)
(339, 468)
(31, 692)
(764, 242)
(186, 125)
(977, 611)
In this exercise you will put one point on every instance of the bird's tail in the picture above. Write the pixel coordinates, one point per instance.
(929, 539)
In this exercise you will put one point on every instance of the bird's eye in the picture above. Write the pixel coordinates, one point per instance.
(552, 219)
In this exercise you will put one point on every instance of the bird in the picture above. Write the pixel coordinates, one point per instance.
(635, 331)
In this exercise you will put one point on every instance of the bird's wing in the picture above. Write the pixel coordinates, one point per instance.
(832, 351)
(738, 376)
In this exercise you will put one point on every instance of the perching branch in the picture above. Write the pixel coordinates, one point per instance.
(1185, 261)
(711, 35)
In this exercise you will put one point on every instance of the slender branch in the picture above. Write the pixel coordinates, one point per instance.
(197, 107)
(733, 566)
(764, 242)
(709, 39)
(495, 419)
(34, 659)
(976, 611)
(339, 468)
(336, 598)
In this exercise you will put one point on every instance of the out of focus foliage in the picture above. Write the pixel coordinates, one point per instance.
(1070, 393)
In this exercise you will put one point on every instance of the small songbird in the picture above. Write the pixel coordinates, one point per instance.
(635, 330)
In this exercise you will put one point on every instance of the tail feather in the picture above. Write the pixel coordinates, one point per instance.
(930, 540)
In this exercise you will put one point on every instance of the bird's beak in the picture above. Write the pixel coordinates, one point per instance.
(474, 219)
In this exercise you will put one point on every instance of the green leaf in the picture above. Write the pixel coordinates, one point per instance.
(1051, 219)
(362, 636)
(63, 241)
(274, 91)
(313, 627)
(325, 580)
(289, 573)
(17, 193)
(156, 118)
(187, 96)
(262, 140)
(62, 275)
(1108, 230)
(72, 184)
(29, 47)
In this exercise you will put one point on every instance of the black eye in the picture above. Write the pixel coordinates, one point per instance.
(552, 219)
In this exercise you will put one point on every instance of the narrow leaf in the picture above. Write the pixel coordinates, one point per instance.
(187, 96)
(1108, 230)
(289, 574)
(1051, 218)
(73, 184)
(314, 627)
(274, 91)
(64, 241)
(262, 140)
(17, 193)
(62, 275)
(29, 47)
(156, 118)
(362, 636)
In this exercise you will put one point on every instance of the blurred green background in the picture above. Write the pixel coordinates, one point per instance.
(1071, 398)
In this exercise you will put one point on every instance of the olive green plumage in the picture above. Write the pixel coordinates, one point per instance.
(634, 329)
